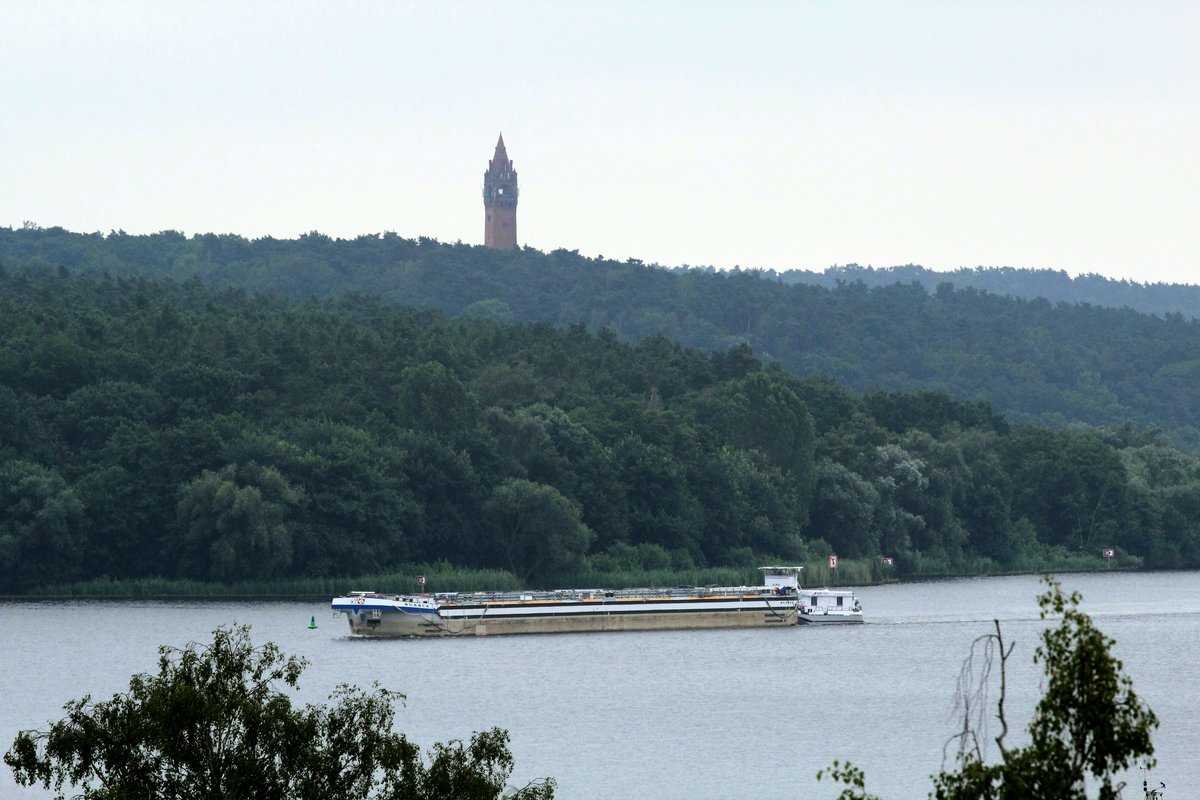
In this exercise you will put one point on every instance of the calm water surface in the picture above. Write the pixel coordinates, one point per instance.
(696, 714)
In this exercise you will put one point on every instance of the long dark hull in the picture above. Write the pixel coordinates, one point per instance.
(578, 617)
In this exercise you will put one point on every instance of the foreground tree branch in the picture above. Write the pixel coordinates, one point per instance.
(971, 695)
(1089, 724)
(215, 724)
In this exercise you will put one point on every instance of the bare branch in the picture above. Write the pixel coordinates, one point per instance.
(971, 696)
(1004, 654)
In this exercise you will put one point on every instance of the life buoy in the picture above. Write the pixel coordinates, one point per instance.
(360, 601)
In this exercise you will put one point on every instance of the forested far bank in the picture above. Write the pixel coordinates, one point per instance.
(157, 429)
(1056, 286)
(1036, 361)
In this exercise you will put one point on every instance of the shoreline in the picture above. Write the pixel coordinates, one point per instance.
(306, 597)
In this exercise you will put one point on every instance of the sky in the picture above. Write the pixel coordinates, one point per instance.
(790, 135)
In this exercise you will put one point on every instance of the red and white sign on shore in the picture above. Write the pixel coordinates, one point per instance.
(833, 562)
(420, 580)
(886, 560)
(1108, 552)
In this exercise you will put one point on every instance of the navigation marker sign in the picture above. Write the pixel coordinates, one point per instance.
(833, 562)
(420, 580)
(1108, 552)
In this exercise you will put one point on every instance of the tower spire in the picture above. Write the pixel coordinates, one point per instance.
(500, 200)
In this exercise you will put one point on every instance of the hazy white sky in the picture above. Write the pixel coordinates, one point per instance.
(781, 135)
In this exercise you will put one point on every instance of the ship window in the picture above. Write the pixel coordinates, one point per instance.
(839, 600)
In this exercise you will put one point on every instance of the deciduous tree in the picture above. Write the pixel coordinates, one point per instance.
(1088, 726)
(217, 722)
(539, 530)
(234, 523)
(42, 527)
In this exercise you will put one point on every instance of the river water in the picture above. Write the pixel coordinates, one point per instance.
(687, 714)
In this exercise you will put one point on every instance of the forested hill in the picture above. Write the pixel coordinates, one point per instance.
(152, 428)
(1054, 364)
(1056, 286)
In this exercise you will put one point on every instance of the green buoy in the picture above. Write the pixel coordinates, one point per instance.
(312, 624)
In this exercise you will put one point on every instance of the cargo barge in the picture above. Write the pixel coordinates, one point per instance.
(780, 602)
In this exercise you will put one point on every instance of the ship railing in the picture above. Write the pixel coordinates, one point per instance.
(576, 595)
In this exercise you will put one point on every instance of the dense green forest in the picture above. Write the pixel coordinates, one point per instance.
(1054, 285)
(150, 427)
(1032, 360)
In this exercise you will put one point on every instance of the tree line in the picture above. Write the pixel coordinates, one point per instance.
(1056, 286)
(150, 427)
(1035, 360)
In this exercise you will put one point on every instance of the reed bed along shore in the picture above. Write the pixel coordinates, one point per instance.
(448, 578)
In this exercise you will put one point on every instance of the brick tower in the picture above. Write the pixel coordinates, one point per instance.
(500, 201)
